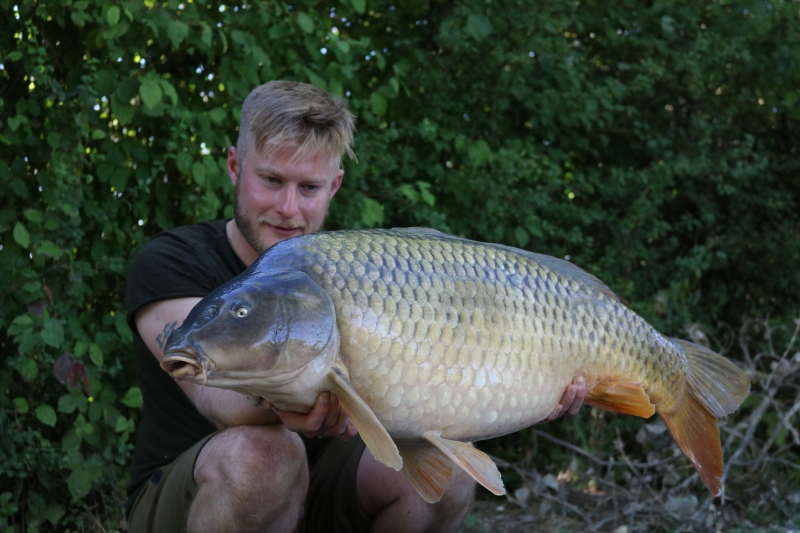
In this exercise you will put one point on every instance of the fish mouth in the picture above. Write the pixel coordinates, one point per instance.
(187, 366)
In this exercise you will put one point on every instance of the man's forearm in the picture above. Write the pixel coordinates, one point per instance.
(225, 408)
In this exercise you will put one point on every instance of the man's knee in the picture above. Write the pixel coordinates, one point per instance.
(459, 494)
(255, 463)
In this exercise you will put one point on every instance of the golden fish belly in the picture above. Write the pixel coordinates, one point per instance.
(476, 340)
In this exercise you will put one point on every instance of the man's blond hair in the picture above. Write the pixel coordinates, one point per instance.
(283, 114)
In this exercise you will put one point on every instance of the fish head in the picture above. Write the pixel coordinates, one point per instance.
(264, 333)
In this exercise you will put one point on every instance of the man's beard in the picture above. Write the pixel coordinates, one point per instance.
(249, 228)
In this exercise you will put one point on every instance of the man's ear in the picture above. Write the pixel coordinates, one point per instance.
(337, 182)
(233, 165)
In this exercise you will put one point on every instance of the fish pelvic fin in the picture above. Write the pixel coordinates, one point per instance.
(715, 387)
(624, 397)
(372, 432)
(476, 463)
(427, 468)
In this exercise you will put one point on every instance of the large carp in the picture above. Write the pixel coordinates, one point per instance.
(431, 342)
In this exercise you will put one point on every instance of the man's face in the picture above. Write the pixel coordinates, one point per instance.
(275, 198)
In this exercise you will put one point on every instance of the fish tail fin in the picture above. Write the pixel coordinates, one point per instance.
(715, 388)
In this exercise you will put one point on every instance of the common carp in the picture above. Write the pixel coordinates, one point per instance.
(432, 342)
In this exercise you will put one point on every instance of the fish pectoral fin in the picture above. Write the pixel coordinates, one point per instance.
(624, 397)
(372, 432)
(476, 463)
(427, 468)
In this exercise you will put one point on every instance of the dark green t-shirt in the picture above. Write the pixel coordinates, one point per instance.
(189, 261)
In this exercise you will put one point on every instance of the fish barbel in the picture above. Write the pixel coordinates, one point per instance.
(431, 342)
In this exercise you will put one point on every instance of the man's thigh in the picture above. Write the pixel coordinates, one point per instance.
(332, 502)
(163, 503)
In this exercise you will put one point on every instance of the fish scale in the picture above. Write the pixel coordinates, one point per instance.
(430, 341)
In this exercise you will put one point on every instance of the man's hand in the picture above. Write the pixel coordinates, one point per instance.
(571, 401)
(326, 418)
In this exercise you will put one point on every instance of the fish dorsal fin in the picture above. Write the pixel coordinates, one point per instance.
(424, 231)
(372, 431)
(565, 267)
(476, 463)
(590, 282)
(427, 468)
(623, 397)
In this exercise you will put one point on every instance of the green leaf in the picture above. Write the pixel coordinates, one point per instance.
(15, 122)
(428, 129)
(49, 248)
(410, 192)
(54, 513)
(169, 90)
(133, 398)
(377, 103)
(359, 5)
(81, 479)
(199, 173)
(217, 115)
(21, 235)
(177, 32)
(112, 16)
(71, 441)
(305, 22)
(66, 404)
(53, 332)
(29, 369)
(151, 93)
(34, 215)
(98, 134)
(21, 405)
(393, 83)
(121, 424)
(480, 153)
(522, 237)
(667, 24)
(206, 36)
(96, 354)
(46, 415)
(122, 111)
(371, 213)
(478, 27)
(184, 161)
(343, 45)
(425, 193)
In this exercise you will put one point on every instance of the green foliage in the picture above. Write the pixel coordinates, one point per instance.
(655, 146)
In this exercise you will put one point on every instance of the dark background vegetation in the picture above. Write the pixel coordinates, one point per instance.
(652, 143)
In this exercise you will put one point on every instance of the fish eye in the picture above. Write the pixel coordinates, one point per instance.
(241, 311)
(211, 311)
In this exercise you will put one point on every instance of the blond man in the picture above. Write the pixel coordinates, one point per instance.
(205, 459)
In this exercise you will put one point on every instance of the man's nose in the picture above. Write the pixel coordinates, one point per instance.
(287, 201)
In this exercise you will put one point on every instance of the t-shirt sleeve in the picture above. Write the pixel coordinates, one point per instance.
(169, 267)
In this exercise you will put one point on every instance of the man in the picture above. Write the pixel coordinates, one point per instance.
(205, 459)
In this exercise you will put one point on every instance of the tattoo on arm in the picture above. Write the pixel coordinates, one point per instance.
(162, 337)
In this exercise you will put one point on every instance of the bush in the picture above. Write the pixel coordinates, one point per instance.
(655, 146)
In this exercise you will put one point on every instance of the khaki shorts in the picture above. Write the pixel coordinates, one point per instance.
(162, 505)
